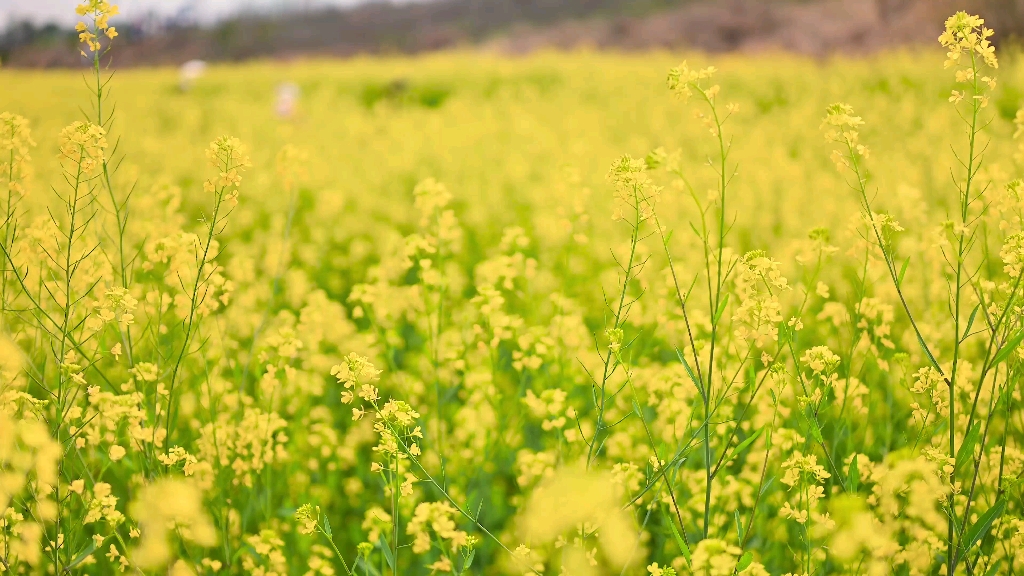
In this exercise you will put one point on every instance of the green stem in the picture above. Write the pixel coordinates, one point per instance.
(608, 365)
(193, 307)
(330, 540)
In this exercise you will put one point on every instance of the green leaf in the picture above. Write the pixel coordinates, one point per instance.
(995, 567)
(853, 476)
(966, 451)
(388, 555)
(979, 529)
(745, 561)
(469, 560)
(958, 523)
(743, 445)
(367, 567)
(82, 556)
(327, 527)
(739, 525)
(970, 322)
(689, 372)
(928, 352)
(813, 428)
(683, 548)
(816, 430)
(1008, 348)
(903, 272)
(721, 308)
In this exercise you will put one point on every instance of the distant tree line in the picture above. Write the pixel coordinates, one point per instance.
(384, 27)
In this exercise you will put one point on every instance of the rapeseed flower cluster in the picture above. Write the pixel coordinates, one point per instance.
(99, 12)
(966, 35)
(15, 160)
(84, 144)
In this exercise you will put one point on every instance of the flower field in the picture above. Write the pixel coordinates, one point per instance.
(570, 313)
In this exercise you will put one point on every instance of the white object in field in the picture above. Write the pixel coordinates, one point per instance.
(190, 72)
(287, 99)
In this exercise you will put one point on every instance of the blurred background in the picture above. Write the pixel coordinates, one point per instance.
(37, 33)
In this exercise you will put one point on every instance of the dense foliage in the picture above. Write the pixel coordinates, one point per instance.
(420, 326)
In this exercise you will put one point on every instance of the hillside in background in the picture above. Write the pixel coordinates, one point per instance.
(517, 26)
